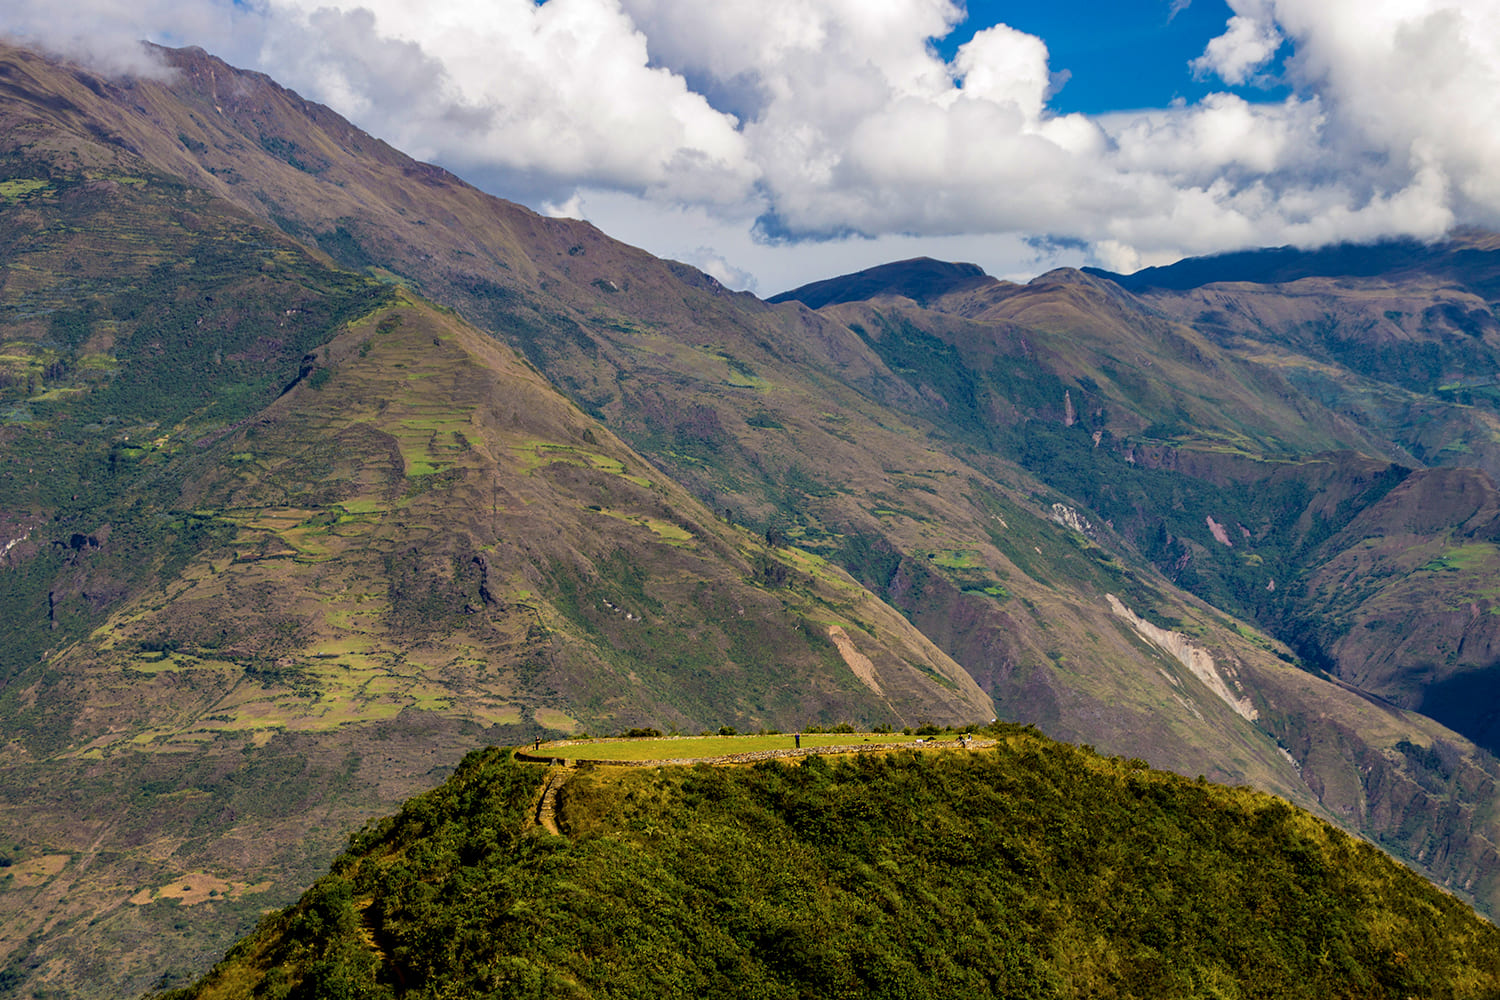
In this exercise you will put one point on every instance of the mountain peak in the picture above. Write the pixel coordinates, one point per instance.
(921, 279)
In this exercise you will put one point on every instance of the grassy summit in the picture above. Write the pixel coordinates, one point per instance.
(706, 749)
(1033, 869)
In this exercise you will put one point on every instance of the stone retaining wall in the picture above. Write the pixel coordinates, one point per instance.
(542, 757)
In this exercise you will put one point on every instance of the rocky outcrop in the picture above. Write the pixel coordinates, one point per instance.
(1196, 659)
(858, 662)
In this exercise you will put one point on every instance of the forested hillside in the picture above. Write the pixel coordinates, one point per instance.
(1032, 870)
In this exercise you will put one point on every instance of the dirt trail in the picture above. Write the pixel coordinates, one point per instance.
(546, 809)
(367, 929)
(371, 938)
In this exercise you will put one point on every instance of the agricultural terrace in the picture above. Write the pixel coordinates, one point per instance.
(700, 748)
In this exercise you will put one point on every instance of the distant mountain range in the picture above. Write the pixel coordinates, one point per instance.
(325, 468)
(1467, 260)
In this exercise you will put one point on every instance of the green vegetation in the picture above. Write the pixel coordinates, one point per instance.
(1031, 870)
(20, 188)
(1480, 556)
(955, 559)
(147, 324)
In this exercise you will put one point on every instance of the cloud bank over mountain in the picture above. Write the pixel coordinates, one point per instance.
(825, 119)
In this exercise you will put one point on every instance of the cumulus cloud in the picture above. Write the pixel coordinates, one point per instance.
(827, 120)
(1416, 83)
(552, 94)
(1248, 43)
(857, 126)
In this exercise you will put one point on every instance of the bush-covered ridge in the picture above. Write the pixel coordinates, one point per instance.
(1034, 869)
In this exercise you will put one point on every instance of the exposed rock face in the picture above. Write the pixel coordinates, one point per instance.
(858, 662)
(1220, 535)
(1189, 655)
(1070, 518)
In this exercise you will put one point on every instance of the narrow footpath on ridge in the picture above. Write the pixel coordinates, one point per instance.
(546, 809)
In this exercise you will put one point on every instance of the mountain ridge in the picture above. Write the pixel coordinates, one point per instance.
(1283, 265)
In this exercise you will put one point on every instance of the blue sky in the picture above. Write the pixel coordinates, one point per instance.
(773, 142)
(1120, 56)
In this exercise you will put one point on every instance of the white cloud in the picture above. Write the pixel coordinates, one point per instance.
(683, 233)
(1223, 134)
(101, 34)
(1248, 43)
(1005, 66)
(836, 121)
(558, 93)
(1416, 82)
(106, 35)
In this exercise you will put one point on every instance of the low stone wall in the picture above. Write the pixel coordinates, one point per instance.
(541, 756)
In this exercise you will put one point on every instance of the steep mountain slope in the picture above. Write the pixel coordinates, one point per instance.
(1405, 339)
(423, 507)
(1182, 438)
(1026, 870)
(418, 541)
(1022, 471)
(1405, 335)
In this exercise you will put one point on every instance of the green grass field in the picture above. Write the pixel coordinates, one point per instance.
(689, 747)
